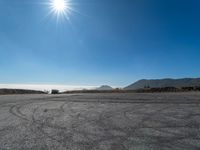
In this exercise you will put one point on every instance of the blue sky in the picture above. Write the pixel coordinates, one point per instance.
(113, 42)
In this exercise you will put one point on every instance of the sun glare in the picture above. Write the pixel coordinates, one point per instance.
(59, 5)
(61, 8)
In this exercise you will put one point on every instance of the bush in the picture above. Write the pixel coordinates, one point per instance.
(188, 88)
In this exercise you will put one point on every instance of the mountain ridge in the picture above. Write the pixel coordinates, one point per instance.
(104, 87)
(166, 82)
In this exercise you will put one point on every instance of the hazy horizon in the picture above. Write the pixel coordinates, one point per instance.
(45, 87)
(65, 87)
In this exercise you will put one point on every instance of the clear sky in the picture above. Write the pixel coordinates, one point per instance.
(113, 42)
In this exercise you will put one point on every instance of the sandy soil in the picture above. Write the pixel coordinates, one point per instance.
(100, 122)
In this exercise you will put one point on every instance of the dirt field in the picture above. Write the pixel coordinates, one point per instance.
(100, 122)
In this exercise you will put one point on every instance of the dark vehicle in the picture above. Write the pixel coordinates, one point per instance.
(54, 91)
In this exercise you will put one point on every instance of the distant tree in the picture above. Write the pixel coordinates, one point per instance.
(146, 86)
(188, 88)
(197, 88)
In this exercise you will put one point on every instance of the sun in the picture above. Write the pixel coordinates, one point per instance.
(59, 5)
(61, 8)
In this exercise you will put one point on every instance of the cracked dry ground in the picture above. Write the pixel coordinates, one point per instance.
(100, 122)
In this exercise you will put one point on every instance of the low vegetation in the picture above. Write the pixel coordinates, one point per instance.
(142, 90)
(19, 91)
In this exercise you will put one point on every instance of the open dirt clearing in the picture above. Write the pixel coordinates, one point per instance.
(100, 122)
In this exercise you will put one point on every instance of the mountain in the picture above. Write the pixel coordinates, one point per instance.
(104, 88)
(159, 83)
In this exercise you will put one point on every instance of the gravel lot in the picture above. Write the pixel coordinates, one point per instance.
(100, 122)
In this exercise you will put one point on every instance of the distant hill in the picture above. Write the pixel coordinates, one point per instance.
(159, 83)
(104, 88)
(19, 91)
